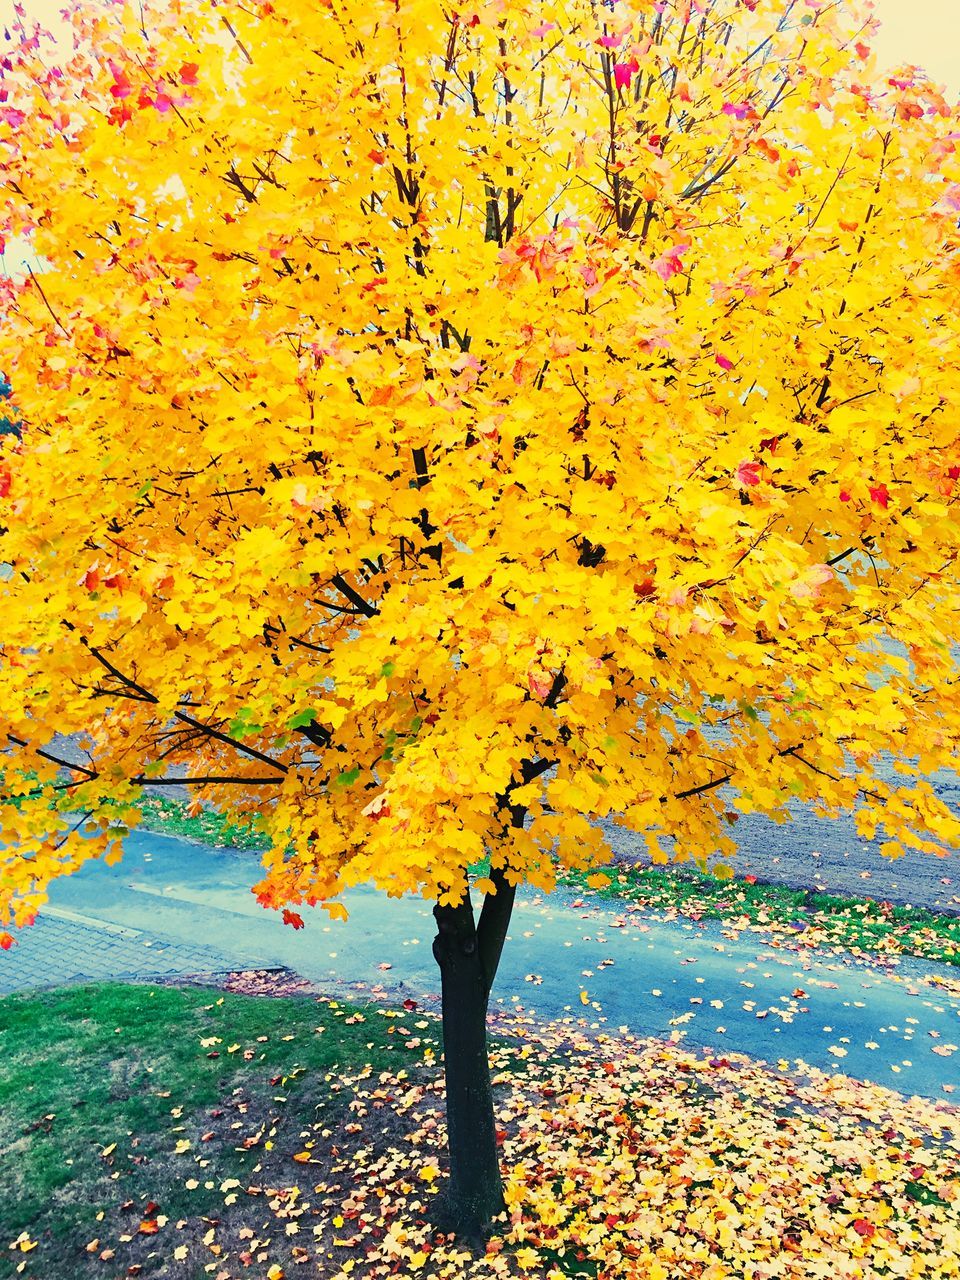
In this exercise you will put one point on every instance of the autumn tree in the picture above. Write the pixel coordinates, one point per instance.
(443, 428)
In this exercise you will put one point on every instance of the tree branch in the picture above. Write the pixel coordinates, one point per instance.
(494, 922)
(141, 781)
(46, 755)
(362, 606)
(231, 742)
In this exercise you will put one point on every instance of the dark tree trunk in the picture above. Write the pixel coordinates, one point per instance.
(468, 953)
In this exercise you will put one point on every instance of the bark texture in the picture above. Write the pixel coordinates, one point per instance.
(468, 953)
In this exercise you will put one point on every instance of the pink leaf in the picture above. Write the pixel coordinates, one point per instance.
(623, 71)
(723, 361)
(668, 264)
(539, 685)
(737, 109)
(747, 473)
(609, 42)
(542, 30)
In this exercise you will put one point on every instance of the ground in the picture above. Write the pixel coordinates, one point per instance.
(280, 1137)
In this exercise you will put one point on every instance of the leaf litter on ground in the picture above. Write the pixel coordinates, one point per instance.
(623, 1157)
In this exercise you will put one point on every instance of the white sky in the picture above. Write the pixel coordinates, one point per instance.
(926, 32)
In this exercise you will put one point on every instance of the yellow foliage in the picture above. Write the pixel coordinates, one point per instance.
(426, 418)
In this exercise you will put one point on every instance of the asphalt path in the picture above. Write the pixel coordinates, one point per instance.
(609, 965)
(827, 855)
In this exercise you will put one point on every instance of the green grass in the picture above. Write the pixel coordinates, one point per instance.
(819, 919)
(207, 827)
(99, 1085)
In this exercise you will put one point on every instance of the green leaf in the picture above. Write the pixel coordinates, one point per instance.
(349, 778)
(387, 669)
(242, 726)
(302, 719)
(923, 1195)
(142, 492)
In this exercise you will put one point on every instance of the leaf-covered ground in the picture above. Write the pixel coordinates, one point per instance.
(861, 926)
(236, 1136)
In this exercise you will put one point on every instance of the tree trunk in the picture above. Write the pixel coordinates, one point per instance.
(468, 954)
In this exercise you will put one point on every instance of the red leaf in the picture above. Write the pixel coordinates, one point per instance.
(844, 495)
(121, 88)
(748, 474)
(291, 918)
(188, 73)
(6, 941)
(879, 494)
(4, 482)
(723, 361)
(643, 589)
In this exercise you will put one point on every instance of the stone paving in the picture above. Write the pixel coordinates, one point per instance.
(66, 946)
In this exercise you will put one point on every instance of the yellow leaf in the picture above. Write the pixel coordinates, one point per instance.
(598, 880)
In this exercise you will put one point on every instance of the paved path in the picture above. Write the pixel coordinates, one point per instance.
(172, 906)
(65, 946)
(827, 855)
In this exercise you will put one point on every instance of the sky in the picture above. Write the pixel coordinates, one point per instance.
(926, 32)
(921, 31)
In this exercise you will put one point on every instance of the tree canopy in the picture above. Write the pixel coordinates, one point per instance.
(443, 428)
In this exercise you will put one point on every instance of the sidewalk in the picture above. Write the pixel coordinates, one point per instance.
(65, 946)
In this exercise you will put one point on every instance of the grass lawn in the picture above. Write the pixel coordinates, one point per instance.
(856, 925)
(179, 1134)
(115, 1098)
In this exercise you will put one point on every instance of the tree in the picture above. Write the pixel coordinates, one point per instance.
(445, 427)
